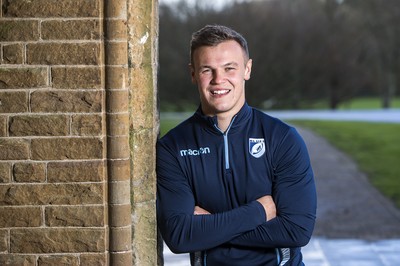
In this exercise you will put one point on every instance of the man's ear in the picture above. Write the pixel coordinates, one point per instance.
(191, 69)
(247, 70)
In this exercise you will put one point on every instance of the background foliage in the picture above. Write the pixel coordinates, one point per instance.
(304, 51)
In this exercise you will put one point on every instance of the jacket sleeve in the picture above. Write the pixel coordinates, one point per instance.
(185, 232)
(294, 195)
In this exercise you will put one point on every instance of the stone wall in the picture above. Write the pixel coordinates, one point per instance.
(78, 125)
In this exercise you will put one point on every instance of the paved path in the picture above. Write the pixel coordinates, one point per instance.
(356, 225)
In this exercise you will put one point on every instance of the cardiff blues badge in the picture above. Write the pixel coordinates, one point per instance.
(256, 147)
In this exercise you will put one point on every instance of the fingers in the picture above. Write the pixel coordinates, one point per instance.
(198, 211)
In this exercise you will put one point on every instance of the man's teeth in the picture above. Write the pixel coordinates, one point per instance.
(220, 92)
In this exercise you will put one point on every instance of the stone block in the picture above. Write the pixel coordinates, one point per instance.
(13, 54)
(19, 30)
(71, 29)
(5, 173)
(66, 101)
(118, 124)
(66, 148)
(116, 29)
(14, 149)
(20, 217)
(64, 53)
(117, 101)
(3, 242)
(120, 215)
(118, 170)
(76, 77)
(69, 216)
(13, 101)
(15, 259)
(122, 258)
(118, 147)
(115, 9)
(95, 259)
(120, 239)
(89, 171)
(51, 8)
(87, 125)
(29, 172)
(117, 77)
(60, 240)
(58, 260)
(119, 51)
(3, 126)
(21, 78)
(39, 125)
(52, 194)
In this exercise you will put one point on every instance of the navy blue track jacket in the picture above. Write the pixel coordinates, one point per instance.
(225, 173)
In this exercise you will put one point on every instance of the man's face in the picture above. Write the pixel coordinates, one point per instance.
(220, 73)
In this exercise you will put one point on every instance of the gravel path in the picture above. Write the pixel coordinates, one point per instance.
(348, 206)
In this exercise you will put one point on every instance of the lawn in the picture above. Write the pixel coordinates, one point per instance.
(374, 146)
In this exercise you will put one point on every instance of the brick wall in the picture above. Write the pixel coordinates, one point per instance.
(68, 133)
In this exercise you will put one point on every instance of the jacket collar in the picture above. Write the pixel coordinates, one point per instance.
(238, 120)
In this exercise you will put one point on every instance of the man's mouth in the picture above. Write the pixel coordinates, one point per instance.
(220, 92)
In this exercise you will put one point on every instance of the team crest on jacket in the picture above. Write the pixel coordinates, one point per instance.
(256, 147)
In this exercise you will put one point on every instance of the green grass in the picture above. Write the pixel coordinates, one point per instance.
(374, 146)
(368, 103)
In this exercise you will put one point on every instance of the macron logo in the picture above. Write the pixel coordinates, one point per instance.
(190, 152)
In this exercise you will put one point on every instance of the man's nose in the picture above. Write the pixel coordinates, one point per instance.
(218, 76)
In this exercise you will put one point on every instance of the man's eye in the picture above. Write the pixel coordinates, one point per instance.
(229, 68)
(205, 71)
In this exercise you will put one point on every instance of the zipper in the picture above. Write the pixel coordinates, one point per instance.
(226, 143)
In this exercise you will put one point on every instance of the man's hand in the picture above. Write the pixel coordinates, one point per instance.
(269, 206)
(199, 210)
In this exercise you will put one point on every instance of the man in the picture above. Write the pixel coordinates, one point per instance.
(233, 182)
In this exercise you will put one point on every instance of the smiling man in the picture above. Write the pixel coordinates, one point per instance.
(234, 185)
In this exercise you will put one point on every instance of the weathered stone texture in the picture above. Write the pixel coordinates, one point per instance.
(29, 172)
(14, 259)
(59, 260)
(82, 216)
(14, 149)
(20, 217)
(120, 50)
(119, 170)
(117, 77)
(43, 125)
(19, 30)
(66, 101)
(52, 194)
(3, 126)
(118, 147)
(144, 235)
(13, 54)
(66, 148)
(76, 77)
(120, 239)
(117, 101)
(75, 171)
(116, 29)
(5, 175)
(3, 242)
(15, 78)
(51, 8)
(117, 217)
(13, 102)
(118, 124)
(87, 125)
(95, 260)
(60, 240)
(143, 156)
(71, 29)
(64, 53)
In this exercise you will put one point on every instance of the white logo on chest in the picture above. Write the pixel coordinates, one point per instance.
(256, 147)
